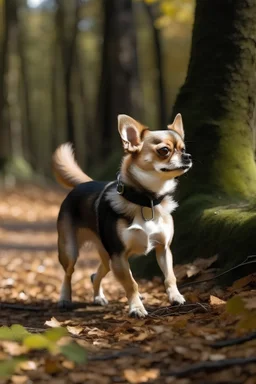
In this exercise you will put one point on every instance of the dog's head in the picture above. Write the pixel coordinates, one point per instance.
(159, 153)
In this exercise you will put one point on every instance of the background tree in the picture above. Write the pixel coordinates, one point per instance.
(119, 84)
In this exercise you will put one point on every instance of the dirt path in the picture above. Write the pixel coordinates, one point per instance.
(120, 350)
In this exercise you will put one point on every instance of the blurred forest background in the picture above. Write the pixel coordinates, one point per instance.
(68, 67)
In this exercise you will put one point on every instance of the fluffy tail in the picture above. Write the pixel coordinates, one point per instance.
(66, 170)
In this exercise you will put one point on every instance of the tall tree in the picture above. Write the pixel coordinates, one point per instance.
(67, 17)
(153, 13)
(119, 84)
(217, 102)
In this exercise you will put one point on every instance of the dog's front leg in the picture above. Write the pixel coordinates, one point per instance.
(165, 262)
(122, 272)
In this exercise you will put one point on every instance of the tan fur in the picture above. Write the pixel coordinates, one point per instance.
(66, 170)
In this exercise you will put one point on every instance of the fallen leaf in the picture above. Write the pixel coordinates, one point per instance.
(217, 357)
(241, 283)
(75, 330)
(13, 348)
(216, 301)
(53, 323)
(68, 364)
(52, 366)
(28, 365)
(205, 263)
(192, 271)
(36, 342)
(140, 375)
(55, 334)
(20, 379)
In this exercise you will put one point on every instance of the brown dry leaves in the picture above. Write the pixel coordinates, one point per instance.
(120, 349)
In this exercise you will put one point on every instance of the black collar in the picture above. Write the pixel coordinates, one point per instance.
(144, 199)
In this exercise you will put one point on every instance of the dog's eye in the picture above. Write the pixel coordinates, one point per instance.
(163, 152)
(183, 150)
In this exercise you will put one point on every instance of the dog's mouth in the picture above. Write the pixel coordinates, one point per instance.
(181, 168)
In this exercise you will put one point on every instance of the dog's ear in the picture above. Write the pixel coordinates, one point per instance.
(131, 132)
(177, 126)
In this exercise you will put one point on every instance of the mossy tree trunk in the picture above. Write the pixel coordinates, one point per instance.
(217, 101)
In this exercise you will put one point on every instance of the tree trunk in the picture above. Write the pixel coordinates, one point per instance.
(4, 131)
(152, 13)
(217, 100)
(119, 85)
(217, 209)
(67, 33)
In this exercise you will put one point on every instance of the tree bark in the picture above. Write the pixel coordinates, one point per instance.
(217, 101)
(158, 57)
(119, 85)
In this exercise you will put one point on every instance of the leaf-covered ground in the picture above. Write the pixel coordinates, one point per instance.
(173, 345)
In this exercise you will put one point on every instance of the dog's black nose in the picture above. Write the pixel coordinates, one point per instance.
(186, 157)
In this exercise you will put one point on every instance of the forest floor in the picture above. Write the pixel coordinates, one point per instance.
(172, 345)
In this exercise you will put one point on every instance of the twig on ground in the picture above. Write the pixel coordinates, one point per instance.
(20, 307)
(253, 257)
(235, 341)
(210, 366)
(116, 355)
(176, 310)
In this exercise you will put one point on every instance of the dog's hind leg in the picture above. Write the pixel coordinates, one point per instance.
(99, 297)
(103, 269)
(68, 253)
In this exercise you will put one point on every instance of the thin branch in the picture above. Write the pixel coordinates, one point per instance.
(20, 307)
(223, 273)
(235, 341)
(176, 310)
(116, 355)
(209, 366)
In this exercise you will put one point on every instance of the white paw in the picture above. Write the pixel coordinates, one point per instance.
(174, 296)
(138, 312)
(100, 300)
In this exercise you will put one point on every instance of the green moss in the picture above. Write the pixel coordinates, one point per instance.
(234, 168)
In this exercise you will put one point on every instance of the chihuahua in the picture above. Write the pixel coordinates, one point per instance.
(128, 216)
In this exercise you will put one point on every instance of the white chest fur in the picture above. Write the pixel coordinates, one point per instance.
(142, 236)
